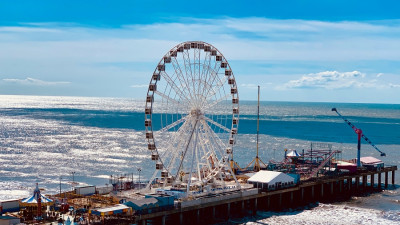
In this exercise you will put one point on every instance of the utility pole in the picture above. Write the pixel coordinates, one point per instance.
(60, 186)
(73, 180)
(139, 170)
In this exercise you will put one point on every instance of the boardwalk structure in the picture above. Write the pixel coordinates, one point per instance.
(324, 189)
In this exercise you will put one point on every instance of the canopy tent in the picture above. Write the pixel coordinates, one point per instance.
(33, 200)
(292, 153)
(37, 200)
(270, 180)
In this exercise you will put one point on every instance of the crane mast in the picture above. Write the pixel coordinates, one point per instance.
(360, 135)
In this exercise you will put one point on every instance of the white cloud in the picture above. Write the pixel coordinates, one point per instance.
(36, 82)
(249, 85)
(336, 80)
(139, 86)
(379, 75)
(394, 85)
(15, 29)
(254, 46)
(330, 80)
(237, 38)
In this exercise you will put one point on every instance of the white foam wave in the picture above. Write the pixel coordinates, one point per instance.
(330, 214)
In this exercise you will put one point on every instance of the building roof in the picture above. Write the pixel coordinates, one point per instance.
(112, 209)
(370, 160)
(265, 176)
(84, 186)
(9, 200)
(34, 198)
(344, 163)
(8, 218)
(142, 203)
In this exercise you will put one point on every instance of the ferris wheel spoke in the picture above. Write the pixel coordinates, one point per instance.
(188, 70)
(217, 87)
(176, 103)
(210, 143)
(193, 157)
(198, 64)
(174, 147)
(204, 146)
(217, 124)
(212, 137)
(206, 67)
(172, 125)
(202, 143)
(213, 74)
(187, 145)
(181, 77)
(216, 168)
(173, 86)
(215, 102)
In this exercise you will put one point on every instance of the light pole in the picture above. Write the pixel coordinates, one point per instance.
(274, 153)
(139, 170)
(60, 186)
(73, 179)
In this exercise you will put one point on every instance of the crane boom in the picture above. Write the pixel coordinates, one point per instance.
(359, 132)
(376, 148)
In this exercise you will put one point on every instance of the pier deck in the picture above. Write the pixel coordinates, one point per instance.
(323, 189)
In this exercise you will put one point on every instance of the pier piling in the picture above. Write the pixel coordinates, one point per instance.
(393, 177)
(379, 181)
(372, 181)
(386, 179)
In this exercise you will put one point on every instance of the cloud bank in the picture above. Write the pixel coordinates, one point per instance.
(35, 82)
(266, 52)
(335, 80)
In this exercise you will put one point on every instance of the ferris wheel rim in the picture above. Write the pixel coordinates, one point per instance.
(152, 91)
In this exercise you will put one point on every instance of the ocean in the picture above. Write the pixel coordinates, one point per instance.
(43, 139)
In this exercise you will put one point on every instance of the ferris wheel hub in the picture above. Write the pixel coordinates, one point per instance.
(196, 113)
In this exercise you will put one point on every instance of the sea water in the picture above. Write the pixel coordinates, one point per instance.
(45, 139)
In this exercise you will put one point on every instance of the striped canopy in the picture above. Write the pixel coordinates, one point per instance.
(33, 200)
(292, 153)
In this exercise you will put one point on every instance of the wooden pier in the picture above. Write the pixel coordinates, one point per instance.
(324, 189)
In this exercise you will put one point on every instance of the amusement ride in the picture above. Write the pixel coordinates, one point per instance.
(191, 120)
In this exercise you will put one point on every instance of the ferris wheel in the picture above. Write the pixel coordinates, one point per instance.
(191, 119)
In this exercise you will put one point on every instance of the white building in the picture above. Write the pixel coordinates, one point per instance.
(85, 190)
(271, 180)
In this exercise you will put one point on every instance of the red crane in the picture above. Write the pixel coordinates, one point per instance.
(360, 135)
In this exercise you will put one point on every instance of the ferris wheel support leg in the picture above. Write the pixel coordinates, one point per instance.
(191, 168)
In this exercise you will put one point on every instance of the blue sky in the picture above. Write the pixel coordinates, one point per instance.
(328, 51)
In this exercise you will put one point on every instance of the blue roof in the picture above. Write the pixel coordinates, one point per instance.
(8, 218)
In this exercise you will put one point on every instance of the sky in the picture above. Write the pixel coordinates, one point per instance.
(309, 51)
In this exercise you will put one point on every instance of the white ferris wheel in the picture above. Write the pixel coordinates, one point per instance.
(191, 119)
